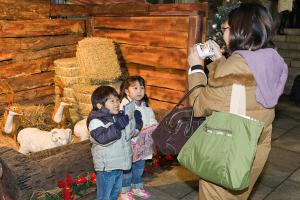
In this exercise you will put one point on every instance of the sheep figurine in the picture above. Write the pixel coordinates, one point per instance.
(81, 130)
(34, 139)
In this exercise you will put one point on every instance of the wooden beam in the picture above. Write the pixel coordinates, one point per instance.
(149, 38)
(37, 43)
(68, 10)
(167, 78)
(154, 56)
(29, 28)
(164, 94)
(118, 9)
(16, 9)
(157, 23)
(202, 7)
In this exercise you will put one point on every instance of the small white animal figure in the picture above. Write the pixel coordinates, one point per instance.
(81, 130)
(34, 139)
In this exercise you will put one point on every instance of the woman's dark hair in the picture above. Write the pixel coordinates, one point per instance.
(126, 84)
(250, 27)
(101, 94)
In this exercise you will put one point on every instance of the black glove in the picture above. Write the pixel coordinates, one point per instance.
(138, 119)
(121, 120)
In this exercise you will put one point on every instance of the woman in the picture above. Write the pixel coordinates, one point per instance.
(253, 63)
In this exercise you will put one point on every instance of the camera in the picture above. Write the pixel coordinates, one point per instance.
(205, 50)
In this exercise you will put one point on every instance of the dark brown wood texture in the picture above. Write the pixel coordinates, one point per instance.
(28, 49)
(154, 47)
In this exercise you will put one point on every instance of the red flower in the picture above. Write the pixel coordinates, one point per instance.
(92, 175)
(69, 180)
(155, 164)
(61, 184)
(169, 157)
(93, 181)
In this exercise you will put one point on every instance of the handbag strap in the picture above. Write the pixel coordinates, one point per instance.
(188, 94)
(238, 100)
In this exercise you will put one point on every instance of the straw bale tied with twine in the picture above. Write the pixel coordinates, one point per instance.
(97, 60)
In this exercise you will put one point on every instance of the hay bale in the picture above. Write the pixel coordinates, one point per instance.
(66, 62)
(68, 92)
(67, 71)
(85, 109)
(97, 60)
(74, 115)
(69, 81)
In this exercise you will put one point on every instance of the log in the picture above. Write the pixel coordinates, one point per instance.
(155, 56)
(119, 9)
(55, 52)
(163, 94)
(155, 8)
(37, 43)
(167, 78)
(66, 159)
(157, 23)
(33, 9)
(93, 2)
(149, 38)
(160, 105)
(28, 28)
(22, 176)
(27, 82)
(25, 67)
(68, 10)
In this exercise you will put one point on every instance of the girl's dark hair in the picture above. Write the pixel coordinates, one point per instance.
(250, 27)
(101, 94)
(130, 80)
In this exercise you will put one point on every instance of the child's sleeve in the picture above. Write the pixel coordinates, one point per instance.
(152, 117)
(104, 134)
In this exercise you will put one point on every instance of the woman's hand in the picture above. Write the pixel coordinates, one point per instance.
(193, 58)
(216, 49)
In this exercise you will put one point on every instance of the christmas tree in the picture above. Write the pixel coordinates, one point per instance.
(219, 18)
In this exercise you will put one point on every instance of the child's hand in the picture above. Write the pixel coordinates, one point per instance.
(121, 120)
(138, 119)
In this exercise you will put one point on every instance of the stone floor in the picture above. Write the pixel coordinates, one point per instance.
(280, 179)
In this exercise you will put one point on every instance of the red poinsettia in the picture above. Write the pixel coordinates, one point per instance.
(93, 178)
(66, 190)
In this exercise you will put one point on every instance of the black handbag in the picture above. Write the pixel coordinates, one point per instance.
(176, 127)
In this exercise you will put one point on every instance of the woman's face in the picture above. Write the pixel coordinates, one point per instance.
(226, 32)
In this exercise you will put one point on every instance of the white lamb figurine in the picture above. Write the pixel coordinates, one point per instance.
(34, 139)
(81, 130)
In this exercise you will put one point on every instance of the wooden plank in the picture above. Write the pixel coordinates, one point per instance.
(27, 28)
(27, 82)
(154, 56)
(155, 23)
(160, 105)
(68, 10)
(33, 9)
(150, 38)
(119, 9)
(179, 7)
(167, 78)
(93, 2)
(25, 67)
(163, 94)
(55, 52)
(37, 43)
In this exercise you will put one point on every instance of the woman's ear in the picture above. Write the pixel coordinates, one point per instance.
(127, 92)
(99, 105)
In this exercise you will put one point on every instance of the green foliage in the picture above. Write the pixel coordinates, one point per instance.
(219, 19)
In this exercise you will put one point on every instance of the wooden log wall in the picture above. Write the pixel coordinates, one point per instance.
(155, 47)
(27, 51)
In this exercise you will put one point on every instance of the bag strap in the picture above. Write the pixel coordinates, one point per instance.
(238, 100)
(188, 94)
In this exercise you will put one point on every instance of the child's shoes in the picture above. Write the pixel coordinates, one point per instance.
(141, 192)
(126, 196)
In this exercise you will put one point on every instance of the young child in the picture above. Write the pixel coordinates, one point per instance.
(133, 89)
(110, 135)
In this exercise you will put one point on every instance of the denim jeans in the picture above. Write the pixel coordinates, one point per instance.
(109, 184)
(133, 177)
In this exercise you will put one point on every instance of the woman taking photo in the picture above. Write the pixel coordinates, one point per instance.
(253, 63)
